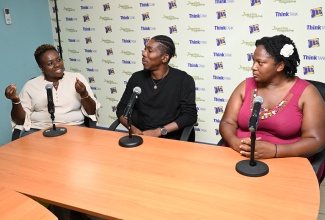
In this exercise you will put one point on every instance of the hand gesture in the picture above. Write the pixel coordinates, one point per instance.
(11, 93)
(80, 88)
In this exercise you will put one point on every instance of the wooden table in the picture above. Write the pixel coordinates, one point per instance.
(86, 170)
(15, 206)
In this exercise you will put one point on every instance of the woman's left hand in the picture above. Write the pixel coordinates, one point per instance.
(263, 149)
(80, 88)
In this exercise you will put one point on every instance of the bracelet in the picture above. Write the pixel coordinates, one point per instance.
(84, 97)
(16, 103)
(276, 150)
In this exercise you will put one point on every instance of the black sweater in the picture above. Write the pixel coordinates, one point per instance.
(172, 101)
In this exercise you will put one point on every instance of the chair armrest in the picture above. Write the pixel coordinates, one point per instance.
(188, 133)
(15, 134)
(114, 125)
(90, 123)
(221, 142)
(317, 162)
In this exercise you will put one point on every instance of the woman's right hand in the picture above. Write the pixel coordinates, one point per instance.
(11, 93)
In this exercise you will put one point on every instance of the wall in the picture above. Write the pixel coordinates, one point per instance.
(214, 43)
(31, 26)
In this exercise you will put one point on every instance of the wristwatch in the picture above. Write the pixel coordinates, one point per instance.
(163, 131)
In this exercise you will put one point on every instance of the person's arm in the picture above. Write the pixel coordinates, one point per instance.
(188, 111)
(122, 105)
(86, 100)
(17, 112)
(312, 129)
(229, 121)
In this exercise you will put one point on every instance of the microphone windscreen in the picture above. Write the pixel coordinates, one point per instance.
(258, 99)
(49, 86)
(137, 90)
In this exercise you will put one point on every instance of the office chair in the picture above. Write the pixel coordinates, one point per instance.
(88, 122)
(319, 157)
(188, 133)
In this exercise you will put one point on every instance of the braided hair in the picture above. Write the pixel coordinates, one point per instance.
(166, 45)
(273, 46)
(41, 50)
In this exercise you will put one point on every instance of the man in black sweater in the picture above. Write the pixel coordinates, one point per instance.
(166, 104)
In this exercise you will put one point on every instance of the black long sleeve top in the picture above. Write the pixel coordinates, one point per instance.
(172, 101)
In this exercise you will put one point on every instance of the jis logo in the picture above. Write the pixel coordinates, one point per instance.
(255, 2)
(316, 12)
(111, 71)
(218, 66)
(218, 89)
(91, 79)
(221, 41)
(113, 90)
(218, 110)
(86, 18)
(88, 40)
(108, 29)
(250, 56)
(106, 7)
(109, 51)
(313, 43)
(145, 40)
(89, 59)
(221, 14)
(145, 16)
(173, 29)
(172, 5)
(309, 70)
(254, 29)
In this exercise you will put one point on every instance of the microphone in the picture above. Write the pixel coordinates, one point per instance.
(55, 131)
(133, 99)
(252, 167)
(50, 103)
(253, 121)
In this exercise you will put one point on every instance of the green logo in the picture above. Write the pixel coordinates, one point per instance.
(196, 29)
(282, 29)
(108, 61)
(126, 30)
(195, 4)
(124, 7)
(195, 55)
(107, 41)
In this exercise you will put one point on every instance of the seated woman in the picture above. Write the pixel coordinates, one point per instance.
(72, 95)
(292, 117)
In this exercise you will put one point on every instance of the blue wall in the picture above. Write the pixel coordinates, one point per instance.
(31, 27)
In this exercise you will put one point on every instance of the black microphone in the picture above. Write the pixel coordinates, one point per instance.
(50, 103)
(133, 99)
(55, 131)
(253, 121)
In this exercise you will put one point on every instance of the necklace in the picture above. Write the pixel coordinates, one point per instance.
(155, 85)
(268, 113)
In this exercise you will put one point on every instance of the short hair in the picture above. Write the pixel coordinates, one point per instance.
(166, 45)
(41, 50)
(273, 46)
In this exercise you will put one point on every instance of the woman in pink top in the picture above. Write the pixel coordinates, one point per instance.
(292, 117)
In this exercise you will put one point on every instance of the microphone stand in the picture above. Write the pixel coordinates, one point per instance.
(130, 140)
(54, 132)
(252, 167)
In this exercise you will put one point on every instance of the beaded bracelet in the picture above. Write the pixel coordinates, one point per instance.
(16, 103)
(276, 150)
